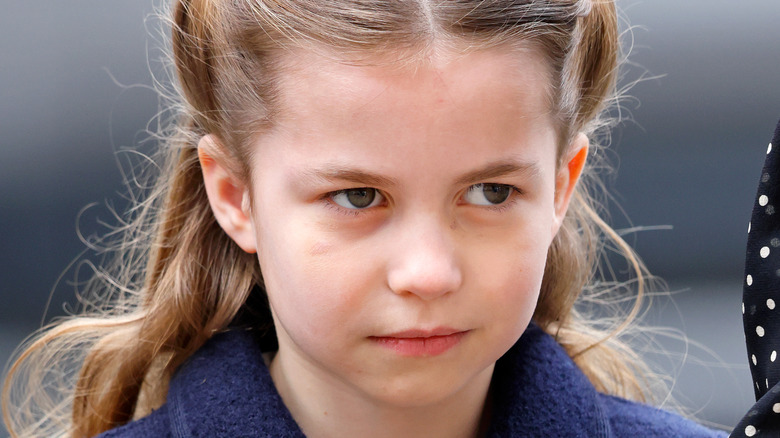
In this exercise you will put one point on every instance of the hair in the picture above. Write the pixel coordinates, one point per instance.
(177, 278)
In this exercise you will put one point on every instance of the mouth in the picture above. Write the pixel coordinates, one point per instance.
(421, 343)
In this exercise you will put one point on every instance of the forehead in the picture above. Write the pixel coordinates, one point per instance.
(453, 111)
(510, 77)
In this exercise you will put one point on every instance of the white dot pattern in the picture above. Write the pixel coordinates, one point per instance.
(761, 292)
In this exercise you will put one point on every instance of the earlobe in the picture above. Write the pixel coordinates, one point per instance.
(228, 195)
(568, 176)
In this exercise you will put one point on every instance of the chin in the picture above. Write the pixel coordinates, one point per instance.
(428, 389)
(405, 396)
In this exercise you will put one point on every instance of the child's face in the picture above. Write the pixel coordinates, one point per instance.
(402, 219)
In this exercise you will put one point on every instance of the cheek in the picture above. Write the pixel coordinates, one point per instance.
(517, 276)
(294, 283)
(314, 286)
(509, 272)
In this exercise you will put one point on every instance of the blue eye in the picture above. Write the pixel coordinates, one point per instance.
(488, 194)
(357, 199)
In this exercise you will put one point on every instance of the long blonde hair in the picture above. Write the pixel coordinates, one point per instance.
(177, 278)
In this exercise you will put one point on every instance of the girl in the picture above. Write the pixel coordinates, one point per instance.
(371, 222)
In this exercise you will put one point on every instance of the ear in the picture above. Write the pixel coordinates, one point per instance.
(228, 196)
(569, 173)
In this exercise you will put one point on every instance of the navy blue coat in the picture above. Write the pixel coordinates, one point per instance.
(225, 390)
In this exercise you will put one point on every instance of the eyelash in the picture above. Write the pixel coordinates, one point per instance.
(352, 212)
(510, 201)
(355, 212)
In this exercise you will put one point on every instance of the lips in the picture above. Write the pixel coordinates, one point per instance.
(421, 343)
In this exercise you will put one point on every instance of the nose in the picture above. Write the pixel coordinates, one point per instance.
(424, 262)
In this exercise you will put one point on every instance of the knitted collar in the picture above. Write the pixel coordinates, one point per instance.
(225, 389)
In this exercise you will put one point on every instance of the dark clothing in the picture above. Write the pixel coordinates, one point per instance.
(761, 301)
(225, 390)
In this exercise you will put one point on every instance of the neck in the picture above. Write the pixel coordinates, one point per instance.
(326, 407)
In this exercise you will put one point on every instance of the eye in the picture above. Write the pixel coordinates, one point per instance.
(488, 194)
(356, 199)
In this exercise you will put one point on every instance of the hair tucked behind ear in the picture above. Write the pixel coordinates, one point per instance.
(177, 278)
(589, 76)
(137, 340)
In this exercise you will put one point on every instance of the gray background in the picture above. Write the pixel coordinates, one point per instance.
(690, 158)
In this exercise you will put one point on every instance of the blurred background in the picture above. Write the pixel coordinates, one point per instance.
(74, 88)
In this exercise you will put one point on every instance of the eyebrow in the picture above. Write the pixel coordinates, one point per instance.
(492, 170)
(357, 176)
(499, 169)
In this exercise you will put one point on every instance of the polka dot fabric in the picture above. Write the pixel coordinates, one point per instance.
(761, 291)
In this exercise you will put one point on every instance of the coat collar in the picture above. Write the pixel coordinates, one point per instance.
(538, 390)
(225, 389)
